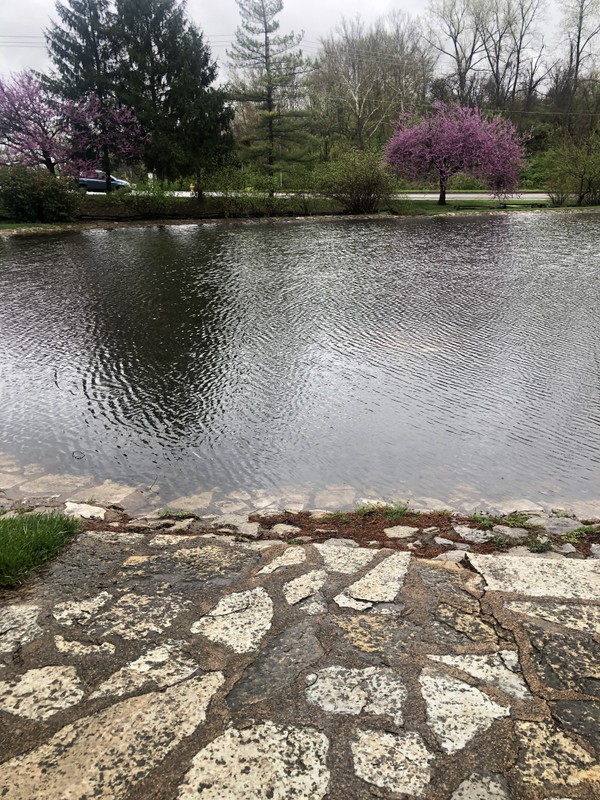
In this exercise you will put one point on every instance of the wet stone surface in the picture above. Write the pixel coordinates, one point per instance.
(185, 666)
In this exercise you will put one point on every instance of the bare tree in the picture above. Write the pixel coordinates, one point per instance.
(455, 32)
(365, 76)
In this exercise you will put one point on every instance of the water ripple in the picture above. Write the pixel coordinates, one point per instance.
(419, 353)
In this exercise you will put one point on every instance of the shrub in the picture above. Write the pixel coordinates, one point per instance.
(357, 179)
(149, 200)
(34, 195)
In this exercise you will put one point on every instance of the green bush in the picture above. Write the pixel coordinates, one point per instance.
(148, 200)
(462, 182)
(34, 195)
(357, 179)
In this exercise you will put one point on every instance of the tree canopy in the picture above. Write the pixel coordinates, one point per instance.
(454, 138)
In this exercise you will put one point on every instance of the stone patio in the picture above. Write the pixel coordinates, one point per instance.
(171, 665)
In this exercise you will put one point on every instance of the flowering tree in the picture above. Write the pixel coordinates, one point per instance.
(37, 128)
(34, 127)
(455, 139)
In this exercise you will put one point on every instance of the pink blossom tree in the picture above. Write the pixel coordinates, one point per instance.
(37, 128)
(453, 139)
(34, 126)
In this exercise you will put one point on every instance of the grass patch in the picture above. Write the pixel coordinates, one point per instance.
(170, 513)
(366, 511)
(338, 516)
(484, 521)
(26, 542)
(535, 545)
(517, 520)
(576, 536)
(397, 511)
(500, 542)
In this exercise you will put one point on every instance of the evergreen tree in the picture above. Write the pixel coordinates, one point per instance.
(165, 73)
(80, 46)
(269, 69)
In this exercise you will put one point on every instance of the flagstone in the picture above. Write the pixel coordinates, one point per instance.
(456, 711)
(263, 762)
(239, 620)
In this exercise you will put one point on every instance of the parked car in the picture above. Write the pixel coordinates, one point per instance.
(96, 182)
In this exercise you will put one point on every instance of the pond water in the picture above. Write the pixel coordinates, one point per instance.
(398, 356)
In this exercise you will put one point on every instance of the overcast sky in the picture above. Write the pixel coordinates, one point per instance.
(22, 23)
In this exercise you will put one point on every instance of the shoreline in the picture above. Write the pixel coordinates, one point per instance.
(51, 228)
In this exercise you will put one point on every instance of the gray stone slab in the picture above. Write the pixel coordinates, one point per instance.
(539, 578)
(277, 666)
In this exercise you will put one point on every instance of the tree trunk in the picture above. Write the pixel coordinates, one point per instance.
(106, 166)
(442, 198)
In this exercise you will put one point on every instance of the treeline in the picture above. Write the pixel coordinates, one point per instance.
(279, 112)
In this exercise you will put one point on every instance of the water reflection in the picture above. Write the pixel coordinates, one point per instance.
(411, 353)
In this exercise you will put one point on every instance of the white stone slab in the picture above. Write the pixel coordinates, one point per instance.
(84, 510)
(491, 669)
(457, 712)
(41, 693)
(481, 787)
(157, 668)
(400, 532)
(398, 762)
(139, 616)
(304, 586)
(567, 578)
(172, 539)
(344, 559)
(262, 762)
(108, 753)
(289, 558)
(474, 535)
(75, 648)
(239, 620)
(374, 690)
(79, 611)
(383, 582)
(18, 626)
(581, 618)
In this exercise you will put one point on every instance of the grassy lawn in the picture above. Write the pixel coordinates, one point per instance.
(11, 225)
(431, 208)
(28, 541)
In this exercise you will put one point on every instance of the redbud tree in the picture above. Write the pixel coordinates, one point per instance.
(453, 139)
(40, 129)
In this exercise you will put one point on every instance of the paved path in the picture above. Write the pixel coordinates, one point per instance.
(192, 666)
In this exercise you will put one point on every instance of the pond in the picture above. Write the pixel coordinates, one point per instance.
(401, 356)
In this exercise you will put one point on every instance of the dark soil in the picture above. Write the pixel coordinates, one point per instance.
(364, 526)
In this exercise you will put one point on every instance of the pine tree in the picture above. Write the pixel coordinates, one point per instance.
(165, 73)
(269, 68)
(80, 47)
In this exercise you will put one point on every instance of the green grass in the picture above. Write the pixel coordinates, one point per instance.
(501, 542)
(338, 516)
(10, 225)
(26, 542)
(517, 520)
(536, 546)
(484, 521)
(368, 510)
(397, 511)
(171, 513)
(576, 536)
